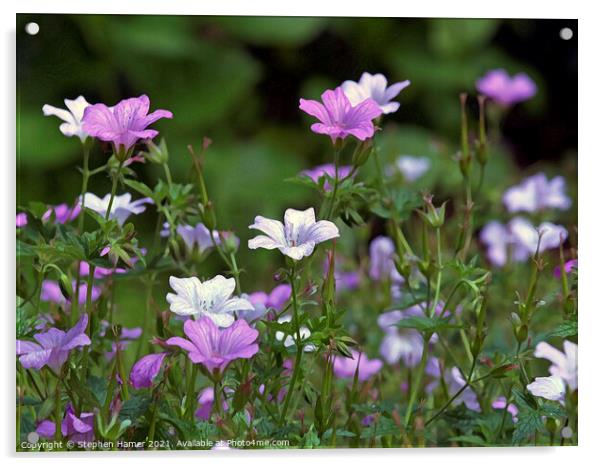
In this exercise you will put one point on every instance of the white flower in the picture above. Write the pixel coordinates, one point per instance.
(121, 208)
(412, 168)
(537, 193)
(564, 365)
(550, 388)
(72, 117)
(289, 341)
(212, 298)
(374, 86)
(297, 237)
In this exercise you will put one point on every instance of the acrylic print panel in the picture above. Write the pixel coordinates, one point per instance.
(271, 232)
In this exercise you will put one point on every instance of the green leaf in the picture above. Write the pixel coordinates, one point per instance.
(135, 407)
(426, 324)
(140, 187)
(568, 328)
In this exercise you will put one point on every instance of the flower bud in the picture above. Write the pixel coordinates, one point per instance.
(362, 153)
(65, 286)
(434, 216)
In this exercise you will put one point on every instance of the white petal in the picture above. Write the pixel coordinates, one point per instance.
(264, 242)
(272, 228)
(63, 114)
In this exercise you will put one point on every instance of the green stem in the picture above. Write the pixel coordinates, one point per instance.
(418, 380)
(335, 188)
(299, 354)
(439, 274)
(190, 393)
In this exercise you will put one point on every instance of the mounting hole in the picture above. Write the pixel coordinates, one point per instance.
(32, 28)
(566, 33)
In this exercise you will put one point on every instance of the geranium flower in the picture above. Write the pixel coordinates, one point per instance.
(123, 124)
(72, 117)
(63, 213)
(568, 267)
(455, 382)
(51, 292)
(21, 220)
(501, 403)
(212, 298)
(536, 193)
(99, 272)
(121, 208)
(297, 237)
(275, 300)
(289, 341)
(325, 171)
(374, 86)
(506, 90)
(146, 369)
(411, 167)
(346, 367)
(564, 365)
(75, 428)
(206, 399)
(550, 388)
(54, 346)
(215, 348)
(338, 118)
(382, 265)
(521, 238)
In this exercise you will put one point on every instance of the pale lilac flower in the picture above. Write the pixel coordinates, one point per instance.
(411, 167)
(346, 367)
(374, 86)
(51, 292)
(212, 298)
(346, 280)
(121, 208)
(290, 340)
(72, 117)
(326, 171)
(382, 265)
(75, 428)
(215, 348)
(564, 365)
(124, 124)
(275, 300)
(455, 382)
(99, 272)
(21, 220)
(536, 193)
(501, 403)
(506, 90)
(127, 336)
(338, 118)
(54, 346)
(146, 369)
(297, 237)
(63, 213)
(568, 267)
(519, 239)
(550, 388)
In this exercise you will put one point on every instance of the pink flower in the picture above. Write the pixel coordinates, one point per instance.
(568, 267)
(215, 348)
(346, 367)
(338, 118)
(506, 90)
(75, 428)
(146, 369)
(123, 124)
(502, 403)
(51, 292)
(21, 219)
(327, 171)
(63, 213)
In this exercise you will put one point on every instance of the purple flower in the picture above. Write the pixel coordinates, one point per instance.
(412, 168)
(506, 90)
(206, 399)
(275, 300)
(297, 237)
(72, 117)
(124, 124)
(99, 272)
(215, 348)
(455, 382)
(21, 219)
(327, 171)
(75, 428)
(121, 208)
(502, 403)
(63, 213)
(564, 365)
(520, 238)
(345, 367)
(374, 86)
(536, 193)
(338, 118)
(54, 346)
(51, 292)
(568, 267)
(382, 265)
(146, 369)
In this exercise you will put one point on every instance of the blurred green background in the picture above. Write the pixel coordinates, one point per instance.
(237, 80)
